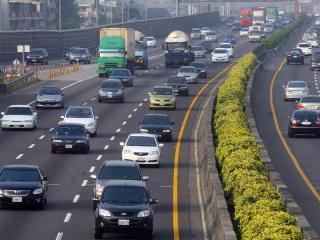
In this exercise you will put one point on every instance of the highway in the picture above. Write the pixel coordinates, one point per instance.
(69, 214)
(286, 152)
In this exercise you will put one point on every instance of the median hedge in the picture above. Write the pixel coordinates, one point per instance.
(259, 213)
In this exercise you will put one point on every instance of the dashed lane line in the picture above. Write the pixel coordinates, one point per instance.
(59, 236)
(42, 137)
(136, 109)
(124, 123)
(140, 104)
(130, 116)
(84, 183)
(112, 138)
(19, 156)
(67, 218)
(99, 157)
(106, 147)
(118, 130)
(31, 146)
(92, 169)
(76, 198)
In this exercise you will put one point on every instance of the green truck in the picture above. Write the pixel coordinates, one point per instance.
(116, 50)
(271, 14)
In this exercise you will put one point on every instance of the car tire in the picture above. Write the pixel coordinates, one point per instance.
(62, 106)
(290, 133)
(167, 65)
(205, 75)
(42, 204)
(94, 206)
(99, 100)
(98, 234)
(170, 138)
(186, 93)
(122, 100)
(94, 134)
(86, 150)
(53, 150)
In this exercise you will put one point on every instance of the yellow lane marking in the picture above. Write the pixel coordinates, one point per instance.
(177, 154)
(285, 144)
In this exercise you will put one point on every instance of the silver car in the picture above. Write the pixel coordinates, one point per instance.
(211, 37)
(190, 73)
(80, 55)
(49, 97)
(311, 102)
(295, 90)
(111, 90)
(199, 51)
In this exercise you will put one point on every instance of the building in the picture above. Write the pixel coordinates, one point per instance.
(87, 12)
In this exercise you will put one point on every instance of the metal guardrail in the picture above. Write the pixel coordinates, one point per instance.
(16, 83)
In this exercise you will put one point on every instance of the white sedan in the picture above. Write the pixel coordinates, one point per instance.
(142, 148)
(220, 55)
(151, 42)
(19, 116)
(227, 46)
(83, 115)
(305, 47)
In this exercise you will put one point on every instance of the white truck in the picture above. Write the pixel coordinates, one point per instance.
(258, 16)
(254, 36)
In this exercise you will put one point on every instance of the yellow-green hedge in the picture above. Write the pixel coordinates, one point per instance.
(259, 213)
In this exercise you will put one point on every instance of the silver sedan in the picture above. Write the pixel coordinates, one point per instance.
(295, 90)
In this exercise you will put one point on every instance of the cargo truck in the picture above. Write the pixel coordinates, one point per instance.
(116, 50)
(258, 16)
(271, 14)
(246, 17)
(177, 49)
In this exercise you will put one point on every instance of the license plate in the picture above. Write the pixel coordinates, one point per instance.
(123, 222)
(305, 123)
(140, 158)
(295, 56)
(34, 60)
(312, 107)
(17, 199)
(68, 146)
(162, 104)
(77, 60)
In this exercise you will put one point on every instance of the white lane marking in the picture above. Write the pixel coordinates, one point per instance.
(84, 183)
(68, 86)
(91, 169)
(118, 130)
(130, 116)
(112, 138)
(316, 83)
(92, 99)
(151, 69)
(146, 99)
(166, 186)
(51, 129)
(99, 157)
(67, 218)
(124, 123)
(140, 74)
(157, 67)
(136, 109)
(42, 137)
(59, 236)
(140, 104)
(76, 198)
(31, 146)
(317, 88)
(146, 71)
(84, 104)
(106, 147)
(19, 156)
(54, 184)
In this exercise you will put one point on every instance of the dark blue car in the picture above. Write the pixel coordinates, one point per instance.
(230, 39)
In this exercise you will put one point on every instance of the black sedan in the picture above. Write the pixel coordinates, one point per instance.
(22, 185)
(70, 137)
(157, 124)
(111, 90)
(207, 46)
(37, 55)
(80, 55)
(295, 55)
(304, 122)
(125, 206)
(124, 75)
(201, 69)
(179, 84)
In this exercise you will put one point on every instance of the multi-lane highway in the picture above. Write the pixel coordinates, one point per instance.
(297, 159)
(69, 214)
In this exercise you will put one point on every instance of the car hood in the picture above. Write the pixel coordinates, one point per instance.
(119, 77)
(141, 148)
(83, 121)
(69, 137)
(124, 207)
(49, 97)
(176, 84)
(149, 126)
(20, 185)
(220, 55)
(183, 74)
(110, 89)
(164, 97)
(18, 117)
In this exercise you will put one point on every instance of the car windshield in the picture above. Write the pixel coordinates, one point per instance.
(197, 48)
(125, 194)
(314, 99)
(198, 65)
(18, 111)
(174, 79)
(156, 120)
(70, 130)
(303, 115)
(49, 91)
(111, 84)
(295, 51)
(162, 91)
(224, 46)
(245, 29)
(229, 37)
(76, 112)
(220, 51)
(119, 173)
(19, 175)
(297, 85)
(304, 45)
(206, 45)
(195, 31)
(79, 51)
(211, 34)
(187, 70)
(120, 73)
(141, 141)
(150, 38)
(36, 52)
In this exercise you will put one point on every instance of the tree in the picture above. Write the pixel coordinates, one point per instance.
(70, 18)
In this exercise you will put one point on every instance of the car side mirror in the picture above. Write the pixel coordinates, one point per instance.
(45, 179)
(96, 200)
(161, 145)
(121, 144)
(149, 93)
(153, 201)
(96, 117)
(93, 176)
(145, 178)
(35, 114)
(2, 113)
(62, 117)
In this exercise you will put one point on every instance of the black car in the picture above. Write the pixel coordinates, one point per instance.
(157, 124)
(236, 27)
(70, 137)
(115, 170)
(179, 84)
(315, 61)
(124, 75)
(201, 69)
(49, 96)
(23, 185)
(125, 206)
(295, 55)
(304, 122)
(68, 52)
(37, 55)
(207, 46)
(80, 55)
(111, 90)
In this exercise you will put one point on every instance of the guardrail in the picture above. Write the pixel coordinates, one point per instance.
(10, 86)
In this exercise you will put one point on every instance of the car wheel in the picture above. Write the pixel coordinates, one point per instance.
(122, 100)
(94, 206)
(187, 93)
(86, 150)
(62, 106)
(205, 75)
(93, 134)
(167, 65)
(42, 204)
(170, 138)
(290, 133)
(99, 100)
(97, 233)
(4, 129)
(53, 150)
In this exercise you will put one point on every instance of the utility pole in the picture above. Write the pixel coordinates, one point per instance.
(177, 8)
(97, 17)
(146, 10)
(59, 15)
(122, 9)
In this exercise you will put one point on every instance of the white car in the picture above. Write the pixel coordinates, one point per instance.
(306, 48)
(151, 42)
(314, 42)
(295, 90)
(83, 115)
(210, 37)
(268, 28)
(142, 148)
(198, 51)
(254, 36)
(205, 30)
(220, 55)
(195, 33)
(19, 116)
(244, 32)
(227, 46)
(189, 73)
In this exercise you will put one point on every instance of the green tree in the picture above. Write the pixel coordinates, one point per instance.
(70, 18)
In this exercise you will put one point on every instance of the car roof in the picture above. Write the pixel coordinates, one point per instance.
(162, 86)
(110, 80)
(221, 49)
(50, 87)
(84, 107)
(20, 166)
(141, 135)
(156, 115)
(126, 183)
(24, 106)
(70, 124)
(186, 67)
(120, 163)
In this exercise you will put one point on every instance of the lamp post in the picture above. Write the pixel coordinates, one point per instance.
(59, 15)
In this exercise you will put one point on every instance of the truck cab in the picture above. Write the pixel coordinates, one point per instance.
(141, 58)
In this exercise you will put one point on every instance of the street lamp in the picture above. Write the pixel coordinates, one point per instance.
(59, 15)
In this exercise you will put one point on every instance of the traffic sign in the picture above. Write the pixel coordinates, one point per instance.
(16, 62)
(23, 48)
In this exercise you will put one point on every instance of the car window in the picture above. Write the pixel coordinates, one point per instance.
(141, 141)
(220, 51)
(197, 48)
(162, 91)
(111, 84)
(120, 73)
(303, 115)
(224, 46)
(70, 130)
(304, 45)
(75, 112)
(18, 111)
(295, 51)
(36, 52)
(125, 194)
(198, 65)
(119, 173)
(49, 91)
(187, 70)
(297, 85)
(150, 38)
(79, 51)
(310, 100)
(19, 175)
(180, 80)
(156, 120)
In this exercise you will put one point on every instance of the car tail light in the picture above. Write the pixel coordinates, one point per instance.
(289, 55)
(305, 90)
(318, 122)
(294, 122)
(289, 91)
(300, 106)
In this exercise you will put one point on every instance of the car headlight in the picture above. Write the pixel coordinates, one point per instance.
(142, 130)
(151, 99)
(90, 124)
(154, 153)
(166, 131)
(99, 189)
(145, 213)
(119, 92)
(38, 191)
(1, 192)
(80, 141)
(127, 151)
(56, 141)
(28, 57)
(104, 213)
(173, 99)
